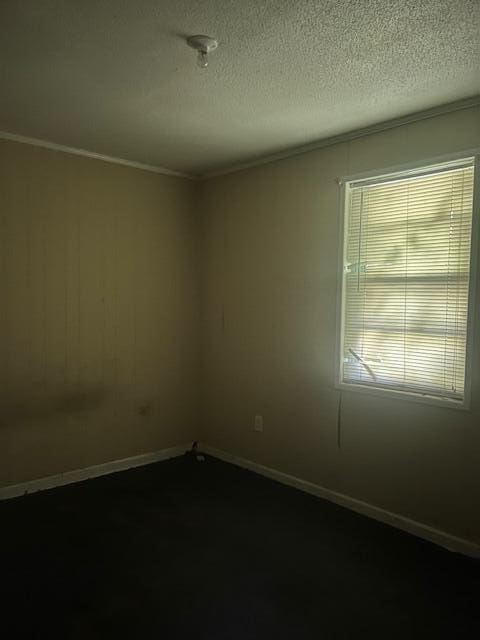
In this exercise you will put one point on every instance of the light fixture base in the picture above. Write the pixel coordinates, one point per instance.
(203, 44)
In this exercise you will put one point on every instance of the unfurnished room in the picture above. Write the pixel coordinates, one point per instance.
(239, 319)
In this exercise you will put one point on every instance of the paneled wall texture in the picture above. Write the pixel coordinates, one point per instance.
(99, 312)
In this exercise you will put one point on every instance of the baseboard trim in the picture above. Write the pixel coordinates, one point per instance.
(441, 538)
(78, 475)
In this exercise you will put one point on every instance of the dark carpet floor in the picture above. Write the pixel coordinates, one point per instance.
(182, 549)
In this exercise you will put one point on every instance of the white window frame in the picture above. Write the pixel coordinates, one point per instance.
(343, 195)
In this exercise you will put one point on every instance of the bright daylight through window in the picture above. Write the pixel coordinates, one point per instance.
(406, 281)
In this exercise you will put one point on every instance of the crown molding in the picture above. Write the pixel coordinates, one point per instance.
(450, 107)
(53, 146)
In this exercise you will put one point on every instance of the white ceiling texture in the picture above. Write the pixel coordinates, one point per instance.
(116, 77)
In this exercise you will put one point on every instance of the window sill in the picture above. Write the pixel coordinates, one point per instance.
(381, 392)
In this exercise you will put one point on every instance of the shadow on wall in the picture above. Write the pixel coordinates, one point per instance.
(33, 403)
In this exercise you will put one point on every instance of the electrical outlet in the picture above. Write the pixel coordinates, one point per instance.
(258, 423)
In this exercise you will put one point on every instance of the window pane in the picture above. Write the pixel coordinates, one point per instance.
(406, 280)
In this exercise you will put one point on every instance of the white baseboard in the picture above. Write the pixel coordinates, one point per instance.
(77, 475)
(446, 540)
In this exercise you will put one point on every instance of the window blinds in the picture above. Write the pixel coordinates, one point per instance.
(406, 280)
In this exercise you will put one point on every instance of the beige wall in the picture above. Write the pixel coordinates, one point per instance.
(99, 312)
(99, 325)
(269, 322)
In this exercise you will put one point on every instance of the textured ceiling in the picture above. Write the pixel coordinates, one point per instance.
(116, 77)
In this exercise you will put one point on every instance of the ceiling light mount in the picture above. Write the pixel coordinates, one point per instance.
(204, 45)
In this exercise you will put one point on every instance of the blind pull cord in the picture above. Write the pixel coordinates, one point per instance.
(363, 363)
(339, 421)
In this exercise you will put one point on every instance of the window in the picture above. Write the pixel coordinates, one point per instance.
(406, 282)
